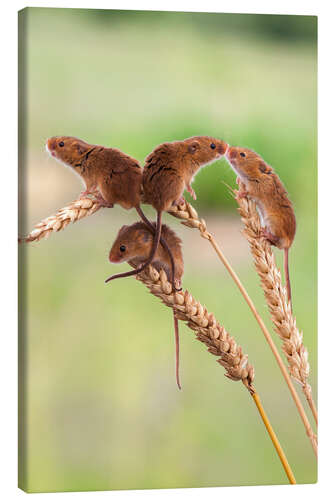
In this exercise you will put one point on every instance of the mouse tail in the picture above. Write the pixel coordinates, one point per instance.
(286, 275)
(124, 275)
(164, 245)
(175, 322)
(151, 256)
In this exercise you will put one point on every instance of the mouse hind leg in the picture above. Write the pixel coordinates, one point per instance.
(106, 195)
(270, 237)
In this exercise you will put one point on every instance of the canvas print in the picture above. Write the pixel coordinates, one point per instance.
(167, 249)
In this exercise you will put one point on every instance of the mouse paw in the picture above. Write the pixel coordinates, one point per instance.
(267, 235)
(83, 194)
(175, 289)
(192, 192)
(99, 198)
(241, 194)
(180, 201)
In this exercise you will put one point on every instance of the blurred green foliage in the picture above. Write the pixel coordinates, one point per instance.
(284, 28)
(102, 409)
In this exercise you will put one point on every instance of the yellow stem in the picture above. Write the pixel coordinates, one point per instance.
(269, 339)
(308, 395)
(274, 439)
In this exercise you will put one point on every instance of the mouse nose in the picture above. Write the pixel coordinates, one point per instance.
(222, 147)
(231, 153)
(114, 258)
(50, 143)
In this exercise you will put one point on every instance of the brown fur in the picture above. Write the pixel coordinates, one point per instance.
(138, 240)
(263, 185)
(113, 174)
(171, 167)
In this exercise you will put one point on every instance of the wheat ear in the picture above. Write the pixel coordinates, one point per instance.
(218, 341)
(190, 218)
(276, 298)
(71, 213)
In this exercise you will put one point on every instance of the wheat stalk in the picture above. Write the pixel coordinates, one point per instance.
(217, 340)
(207, 328)
(276, 298)
(71, 213)
(190, 218)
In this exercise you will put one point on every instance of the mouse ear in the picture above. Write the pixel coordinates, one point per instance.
(79, 148)
(264, 168)
(193, 147)
(145, 236)
(122, 229)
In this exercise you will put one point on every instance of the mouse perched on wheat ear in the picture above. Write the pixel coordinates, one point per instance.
(168, 171)
(113, 177)
(134, 243)
(263, 185)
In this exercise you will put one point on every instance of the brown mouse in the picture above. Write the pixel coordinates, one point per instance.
(276, 211)
(134, 244)
(168, 171)
(110, 175)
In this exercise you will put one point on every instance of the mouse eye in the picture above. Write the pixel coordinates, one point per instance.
(122, 248)
(213, 146)
(61, 144)
(242, 154)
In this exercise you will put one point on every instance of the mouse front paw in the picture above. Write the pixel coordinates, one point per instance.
(192, 192)
(103, 203)
(241, 194)
(180, 201)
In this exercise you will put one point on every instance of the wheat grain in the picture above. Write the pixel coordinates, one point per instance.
(276, 298)
(207, 328)
(71, 213)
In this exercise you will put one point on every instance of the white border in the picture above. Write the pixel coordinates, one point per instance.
(8, 144)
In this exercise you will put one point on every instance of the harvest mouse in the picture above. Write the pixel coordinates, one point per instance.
(133, 244)
(108, 172)
(276, 211)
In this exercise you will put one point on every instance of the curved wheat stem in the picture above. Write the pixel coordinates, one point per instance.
(190, 218)
(71, 213)
(207, 328)
(218, 341)
(276, 298)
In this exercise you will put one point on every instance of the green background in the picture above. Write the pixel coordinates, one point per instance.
(99, 406)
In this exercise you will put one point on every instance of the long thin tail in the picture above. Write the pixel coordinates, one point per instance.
(175, 322)
(164, 245)
(151, 256)
(286, 275)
